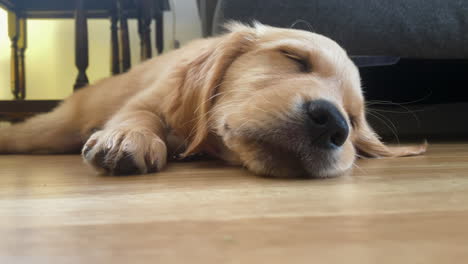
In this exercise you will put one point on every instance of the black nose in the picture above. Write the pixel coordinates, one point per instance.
(326, 124)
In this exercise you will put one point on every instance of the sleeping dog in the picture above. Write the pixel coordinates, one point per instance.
(281, 102)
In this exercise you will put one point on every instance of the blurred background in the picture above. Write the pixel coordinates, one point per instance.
(52, 52)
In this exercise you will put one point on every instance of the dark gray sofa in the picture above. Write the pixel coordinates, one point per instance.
(428, 39)
(405, 28)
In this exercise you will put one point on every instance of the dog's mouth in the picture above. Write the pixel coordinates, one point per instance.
(298, 161)
(285, 154)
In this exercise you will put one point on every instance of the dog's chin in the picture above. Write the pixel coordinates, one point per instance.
(284, 167)
(278, 161)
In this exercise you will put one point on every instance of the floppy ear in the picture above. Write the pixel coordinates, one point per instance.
(368, 143)
(198, 81)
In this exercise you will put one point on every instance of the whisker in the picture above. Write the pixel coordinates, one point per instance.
(384, 120)
(359, 168)
(403, 103)
(302, 21)
(412, 112)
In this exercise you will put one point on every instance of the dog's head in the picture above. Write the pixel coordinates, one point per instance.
(282, 102)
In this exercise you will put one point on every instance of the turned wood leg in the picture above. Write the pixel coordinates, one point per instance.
(144, 27)
(115, 56)
(22, 44)
(13, 33)
(124, 38)
(81, 44)
(159, 19)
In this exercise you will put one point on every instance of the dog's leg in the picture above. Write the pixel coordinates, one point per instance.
(53, 132)
(132, 142)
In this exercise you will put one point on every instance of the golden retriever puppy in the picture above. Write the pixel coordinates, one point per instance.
(281, 102)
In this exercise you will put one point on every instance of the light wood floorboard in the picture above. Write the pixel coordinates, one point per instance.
(54, 209)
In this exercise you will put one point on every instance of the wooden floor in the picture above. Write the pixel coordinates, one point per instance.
(54, 209)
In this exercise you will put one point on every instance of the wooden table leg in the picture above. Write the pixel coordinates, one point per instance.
(124, 38)
(115, 58)
(81, 44)
(144, 8)
(13, 33)
(159, 19)
(22, 44)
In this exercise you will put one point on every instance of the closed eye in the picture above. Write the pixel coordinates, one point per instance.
(304, 63)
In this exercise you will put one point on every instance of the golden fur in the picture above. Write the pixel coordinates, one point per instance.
(235, 97)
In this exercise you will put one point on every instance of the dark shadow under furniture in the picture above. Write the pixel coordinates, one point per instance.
(117, 11)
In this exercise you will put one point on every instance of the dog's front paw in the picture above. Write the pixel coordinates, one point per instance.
(125, 151)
